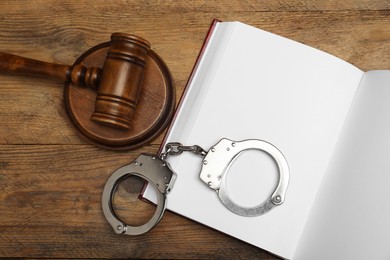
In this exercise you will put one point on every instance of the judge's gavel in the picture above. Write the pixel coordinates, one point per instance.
(118, 84)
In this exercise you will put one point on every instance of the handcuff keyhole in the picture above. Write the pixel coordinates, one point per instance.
(250, 186)
(128, 204)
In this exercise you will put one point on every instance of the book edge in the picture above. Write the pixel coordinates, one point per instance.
(209, 33)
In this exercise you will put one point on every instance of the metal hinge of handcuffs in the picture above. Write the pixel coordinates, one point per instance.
(216, 162)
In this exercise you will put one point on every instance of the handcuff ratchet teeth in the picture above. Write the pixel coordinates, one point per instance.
(216, 163)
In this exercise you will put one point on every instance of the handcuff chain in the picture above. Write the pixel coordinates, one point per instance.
(176, 148)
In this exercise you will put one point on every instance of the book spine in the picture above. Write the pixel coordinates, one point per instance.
(194, 69)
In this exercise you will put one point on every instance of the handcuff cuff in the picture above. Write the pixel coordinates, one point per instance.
(216, 162)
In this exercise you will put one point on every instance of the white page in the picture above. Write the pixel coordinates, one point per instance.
(350, 217)
(271, 88)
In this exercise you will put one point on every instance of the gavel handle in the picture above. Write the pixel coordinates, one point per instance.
(77, 74)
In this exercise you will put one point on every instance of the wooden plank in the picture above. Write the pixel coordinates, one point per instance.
(179, 42)
(200, 6)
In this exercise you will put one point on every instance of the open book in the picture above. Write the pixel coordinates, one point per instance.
(330, 120)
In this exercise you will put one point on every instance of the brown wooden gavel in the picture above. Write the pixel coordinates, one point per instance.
(118, 84)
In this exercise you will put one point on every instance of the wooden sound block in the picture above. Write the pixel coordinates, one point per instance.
(153, 113)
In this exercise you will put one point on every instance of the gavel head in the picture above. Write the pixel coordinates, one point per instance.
(121, 81)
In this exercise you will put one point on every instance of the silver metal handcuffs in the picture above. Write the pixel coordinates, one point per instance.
(154, 170)
(216, 162)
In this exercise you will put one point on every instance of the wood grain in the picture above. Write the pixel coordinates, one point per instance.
(51, 179)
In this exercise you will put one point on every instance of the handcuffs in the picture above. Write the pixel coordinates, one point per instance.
(216, 162)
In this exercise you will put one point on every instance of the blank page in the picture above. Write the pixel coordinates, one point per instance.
(260, 86)
(350, 217)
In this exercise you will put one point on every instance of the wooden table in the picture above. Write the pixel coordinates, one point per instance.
(51, 179)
